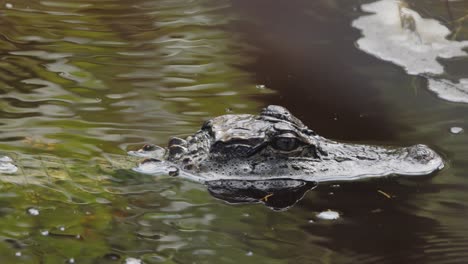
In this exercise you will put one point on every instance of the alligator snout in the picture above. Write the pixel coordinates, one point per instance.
(420, 159)
(422, 153)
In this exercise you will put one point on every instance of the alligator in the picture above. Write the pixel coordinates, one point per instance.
(270, 158)
(277, 145)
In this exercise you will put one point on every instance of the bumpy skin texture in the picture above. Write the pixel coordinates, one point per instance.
(275, 144)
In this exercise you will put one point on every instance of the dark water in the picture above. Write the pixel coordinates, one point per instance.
(81, 83)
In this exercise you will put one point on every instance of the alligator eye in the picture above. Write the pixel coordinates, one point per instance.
(285, 143)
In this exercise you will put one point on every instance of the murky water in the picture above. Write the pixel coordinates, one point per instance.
(81, 83)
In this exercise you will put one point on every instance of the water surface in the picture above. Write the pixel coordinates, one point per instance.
(81, 83)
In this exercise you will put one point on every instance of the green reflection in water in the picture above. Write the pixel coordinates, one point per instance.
(94, 77)
(80, 81)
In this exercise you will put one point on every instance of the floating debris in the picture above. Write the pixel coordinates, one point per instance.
(45, 232)
(18, 254)
(249, 254)
(8, 5)
(265, 199)
(33, 211)
(384, 194)
(456, 130)
(328, 215)
(260, 86)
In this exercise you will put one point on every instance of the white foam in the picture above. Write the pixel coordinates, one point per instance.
(400, 35)
(447, 90)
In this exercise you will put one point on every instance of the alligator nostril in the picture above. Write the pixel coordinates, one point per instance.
(421, 153)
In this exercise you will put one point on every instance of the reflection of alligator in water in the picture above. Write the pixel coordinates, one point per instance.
(275, 144)
(277, 194)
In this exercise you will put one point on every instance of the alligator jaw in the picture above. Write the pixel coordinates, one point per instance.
(351, 161)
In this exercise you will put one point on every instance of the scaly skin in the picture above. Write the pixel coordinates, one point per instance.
(275, 145)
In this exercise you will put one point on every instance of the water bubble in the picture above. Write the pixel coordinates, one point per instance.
(71, 260)
(328, 215)
(249, 254)
(260, 86)
(62, 228)
(33, 211)
(456, 130)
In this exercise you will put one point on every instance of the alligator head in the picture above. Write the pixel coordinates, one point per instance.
(275, 144)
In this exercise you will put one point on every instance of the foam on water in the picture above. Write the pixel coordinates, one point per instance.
(395, 33)
(398, 34)
(447, 90)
